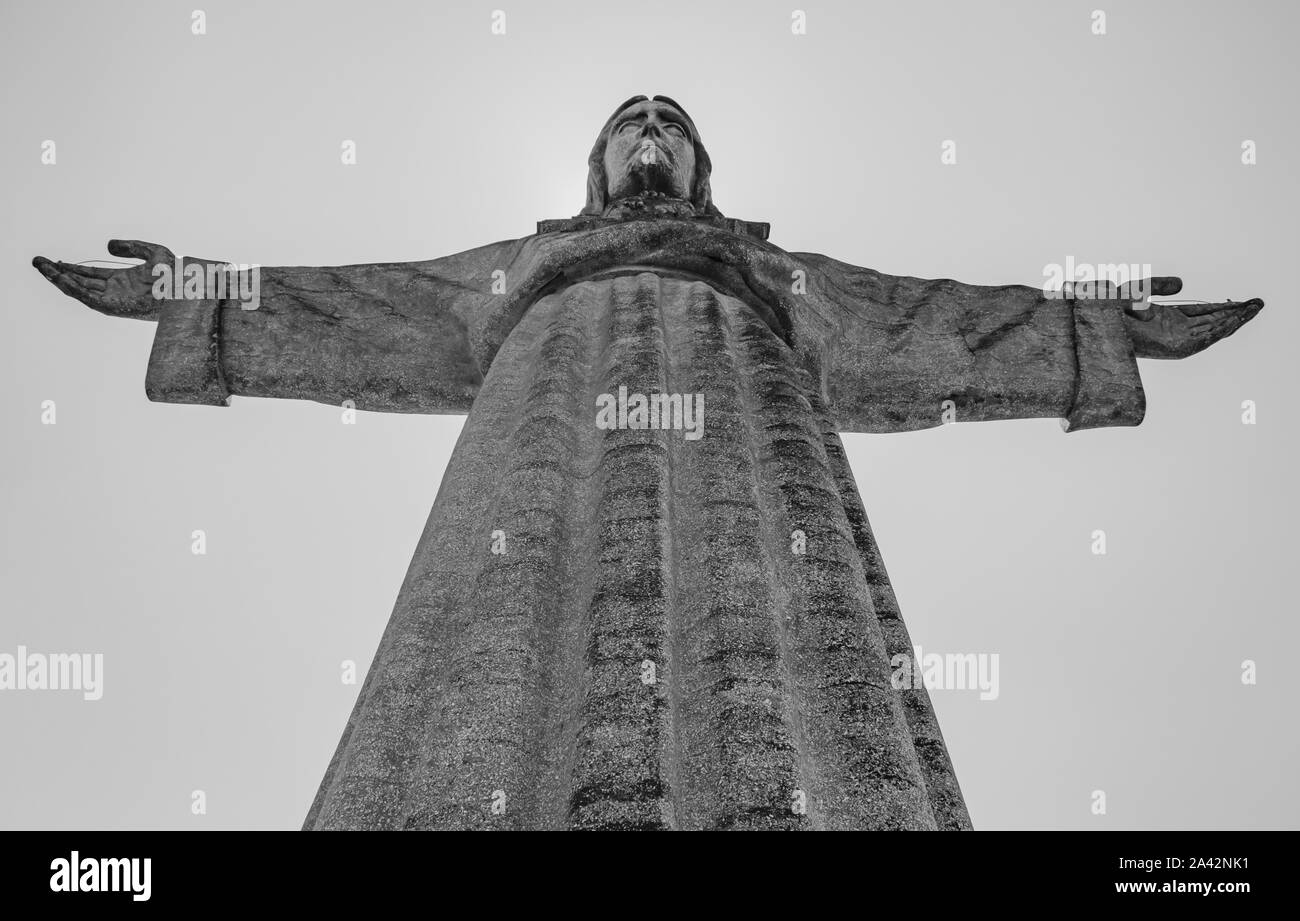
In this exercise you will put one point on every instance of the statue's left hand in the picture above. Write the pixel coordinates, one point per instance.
(125, 292)
(1180, 330)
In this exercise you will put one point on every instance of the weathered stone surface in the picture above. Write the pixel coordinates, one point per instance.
(649, 650)
(624, 547)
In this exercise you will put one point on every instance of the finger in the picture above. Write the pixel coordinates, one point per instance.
(93, 271)
(1252, 306)
(1210, 328)
(1216, 331)
(1239, 315)
(1161, 286)
(69, 284)
(138, 249)
(86, 275)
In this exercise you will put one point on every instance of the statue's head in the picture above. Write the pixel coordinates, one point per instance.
(648, 148)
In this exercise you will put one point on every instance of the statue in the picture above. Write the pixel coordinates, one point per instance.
(648, 595)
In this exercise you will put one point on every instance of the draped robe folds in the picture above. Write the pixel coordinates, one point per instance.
(653, 646)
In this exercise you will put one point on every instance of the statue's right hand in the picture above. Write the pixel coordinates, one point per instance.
(126, 292)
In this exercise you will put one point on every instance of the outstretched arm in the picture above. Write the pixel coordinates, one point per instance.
(391, 337)
(909, 353)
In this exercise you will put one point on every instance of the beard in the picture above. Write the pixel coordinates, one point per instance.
(658, 177)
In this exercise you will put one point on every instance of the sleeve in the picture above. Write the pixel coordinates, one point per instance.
(904, 353)
(392, 337)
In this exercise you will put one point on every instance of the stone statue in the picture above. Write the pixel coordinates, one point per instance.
(648, 595)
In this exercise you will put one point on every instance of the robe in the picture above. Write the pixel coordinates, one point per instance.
(623, 627)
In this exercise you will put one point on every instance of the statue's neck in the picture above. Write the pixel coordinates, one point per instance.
(650, 207)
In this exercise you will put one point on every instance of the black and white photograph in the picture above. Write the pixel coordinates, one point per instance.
(690, 416)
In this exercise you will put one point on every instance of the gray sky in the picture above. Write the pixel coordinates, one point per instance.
(222, 672)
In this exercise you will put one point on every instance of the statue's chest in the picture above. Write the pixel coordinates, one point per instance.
(649, 330)
(646, 365)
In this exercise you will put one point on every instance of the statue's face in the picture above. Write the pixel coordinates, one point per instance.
(649, 149)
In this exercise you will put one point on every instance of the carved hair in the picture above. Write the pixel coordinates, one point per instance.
(597, 181)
